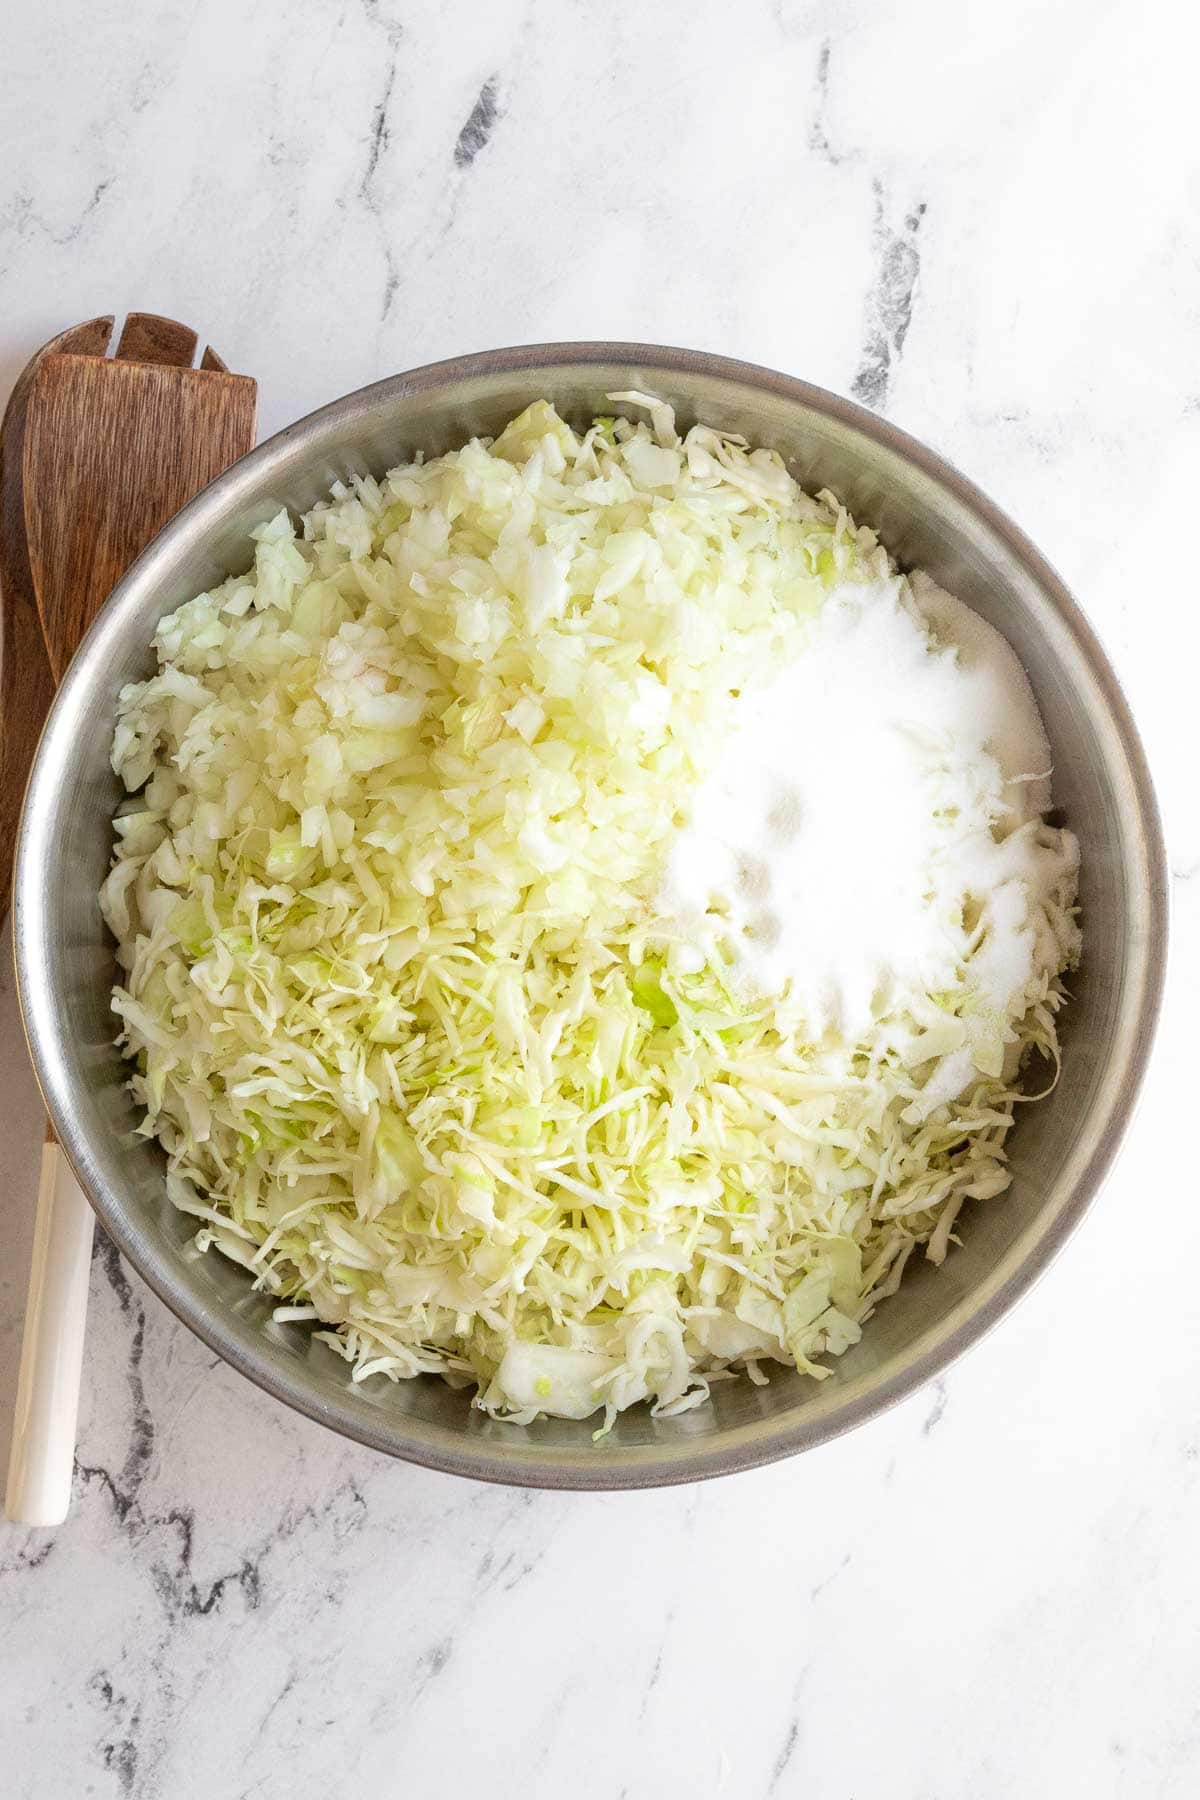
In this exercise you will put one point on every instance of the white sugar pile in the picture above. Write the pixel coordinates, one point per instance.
(873, 824)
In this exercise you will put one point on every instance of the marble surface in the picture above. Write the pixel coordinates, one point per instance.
(982, 222)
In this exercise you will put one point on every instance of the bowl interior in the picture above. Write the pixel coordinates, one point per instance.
(927, 516)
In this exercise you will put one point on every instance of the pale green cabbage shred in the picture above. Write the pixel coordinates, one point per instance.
(420, 1053)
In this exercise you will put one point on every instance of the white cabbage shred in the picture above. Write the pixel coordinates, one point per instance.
(422, 1053)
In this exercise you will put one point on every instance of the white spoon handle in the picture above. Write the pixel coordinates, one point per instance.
(43, 1446)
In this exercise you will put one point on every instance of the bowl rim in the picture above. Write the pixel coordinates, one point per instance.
(240, 1343)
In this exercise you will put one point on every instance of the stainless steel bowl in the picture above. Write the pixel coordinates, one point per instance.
(929, 516)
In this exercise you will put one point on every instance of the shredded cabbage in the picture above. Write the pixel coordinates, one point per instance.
(421, 1053)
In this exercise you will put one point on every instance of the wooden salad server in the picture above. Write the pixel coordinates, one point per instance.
(97, 453)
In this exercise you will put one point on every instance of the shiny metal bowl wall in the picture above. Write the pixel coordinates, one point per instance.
(928, 515)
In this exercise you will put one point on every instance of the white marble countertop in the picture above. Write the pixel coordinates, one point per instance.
(983, 222)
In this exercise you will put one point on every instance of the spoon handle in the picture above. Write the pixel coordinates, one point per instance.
(42, 1458)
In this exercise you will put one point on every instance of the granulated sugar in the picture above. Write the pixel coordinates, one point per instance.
(863, 828)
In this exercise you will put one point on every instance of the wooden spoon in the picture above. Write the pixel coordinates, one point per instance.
(113, 449)
(96, 454)
(26, 684)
